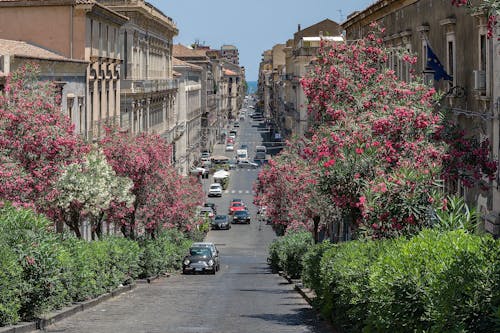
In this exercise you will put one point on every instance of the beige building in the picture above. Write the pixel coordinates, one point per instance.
(81, 30)
(230, 54)
(282, 97)
(68, 74)
(148, 88)
(188, 109)
(459, 40)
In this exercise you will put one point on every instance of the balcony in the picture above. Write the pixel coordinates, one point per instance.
(148, 86)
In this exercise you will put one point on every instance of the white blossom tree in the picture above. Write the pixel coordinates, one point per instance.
(86, 190)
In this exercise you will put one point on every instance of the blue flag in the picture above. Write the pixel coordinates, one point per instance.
(434, 64)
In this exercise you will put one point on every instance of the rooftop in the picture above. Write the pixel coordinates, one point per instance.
(27, 50)
(181, 51)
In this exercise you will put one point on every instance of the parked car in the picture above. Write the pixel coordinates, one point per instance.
(210, 245)
(205, 154)
(229, 147)
(236, 206)
(215, 190)
(244, 146)
(236, 124)
(247, 164)
(197, 171)
(211, 205)
(199, 259)
(221, 222)
(207, 211)
(237, 200)
(241, 216)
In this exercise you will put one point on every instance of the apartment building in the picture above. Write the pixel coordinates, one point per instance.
(83, 30)
(148, 88)
(187, 136)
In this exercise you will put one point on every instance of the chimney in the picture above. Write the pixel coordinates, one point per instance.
(298, 27)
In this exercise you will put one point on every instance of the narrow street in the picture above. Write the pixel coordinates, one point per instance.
(244, 296)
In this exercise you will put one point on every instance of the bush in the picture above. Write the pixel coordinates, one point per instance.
(163, 253)
(435, 282)
(10, 284)
(40, 256)
(345, 289)
(100, 266)
(286, 252)
(311, 262)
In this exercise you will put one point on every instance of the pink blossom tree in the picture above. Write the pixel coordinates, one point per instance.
(36, 140)
(163, 199)
(378, 144)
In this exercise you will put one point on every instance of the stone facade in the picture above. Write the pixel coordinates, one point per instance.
(78, 30)
(148, 88)
(68, 74)
(282, 67)
(460, 41)
(230, 54)
(188, 109)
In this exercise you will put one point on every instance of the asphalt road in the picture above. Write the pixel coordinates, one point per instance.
(244, 296)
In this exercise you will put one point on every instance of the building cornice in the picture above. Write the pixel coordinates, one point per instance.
(376, 11)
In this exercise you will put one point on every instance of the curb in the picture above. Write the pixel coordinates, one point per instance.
(308, 297)
(152, 278)
(66, 312)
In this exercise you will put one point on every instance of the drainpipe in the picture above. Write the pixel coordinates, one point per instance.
(71, 33)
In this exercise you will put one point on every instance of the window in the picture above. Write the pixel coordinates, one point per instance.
(451, 60)
(125, 55)
(482, 52)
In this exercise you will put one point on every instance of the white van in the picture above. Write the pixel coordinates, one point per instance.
(241, 154)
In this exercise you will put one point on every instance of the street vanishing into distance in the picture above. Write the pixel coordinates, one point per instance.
(244, 296)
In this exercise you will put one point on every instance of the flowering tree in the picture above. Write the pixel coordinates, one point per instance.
(288, 188)
(489, 7)
(378, 146)
(163, 199)
(36, 140)
(86, 190)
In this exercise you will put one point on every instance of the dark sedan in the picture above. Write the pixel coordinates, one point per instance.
(241, 216)
(200, 259)
(221, 222)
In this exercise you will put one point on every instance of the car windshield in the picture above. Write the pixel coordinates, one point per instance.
(200, 251)
(220, 217)
(213, 187)
(242, 213)
(237, 204)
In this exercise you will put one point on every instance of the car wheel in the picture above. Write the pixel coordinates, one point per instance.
(213, 271)
(184, 272)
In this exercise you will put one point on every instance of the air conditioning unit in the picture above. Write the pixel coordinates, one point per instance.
(479, 80)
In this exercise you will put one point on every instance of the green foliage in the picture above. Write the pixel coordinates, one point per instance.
(286, 252)
(163, 253)
(456, 214)
(435, 282)
(99, 266)
(10, 284)
(40, 256)
(345, 275)
(312, 264)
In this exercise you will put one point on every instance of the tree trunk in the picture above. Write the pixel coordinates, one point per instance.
(316, 220)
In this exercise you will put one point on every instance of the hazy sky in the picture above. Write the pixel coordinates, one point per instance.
(251, 25)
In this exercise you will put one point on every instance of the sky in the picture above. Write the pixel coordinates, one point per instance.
(253, 26)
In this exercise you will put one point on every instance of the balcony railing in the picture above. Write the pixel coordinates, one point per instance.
(148, 86)
(99, 127)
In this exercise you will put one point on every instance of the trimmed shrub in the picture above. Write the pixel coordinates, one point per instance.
(10, 283)
(311, 262)
(40, 255)
(435, 282)
(163, 253)
(286, 252)
(345, 271)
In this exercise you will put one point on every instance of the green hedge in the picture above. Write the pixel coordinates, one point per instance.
(164, 253)
(434, 282)
(41, 271)
(286, 252)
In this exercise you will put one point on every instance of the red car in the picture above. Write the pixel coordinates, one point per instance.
(236, 206)
(230, 140)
